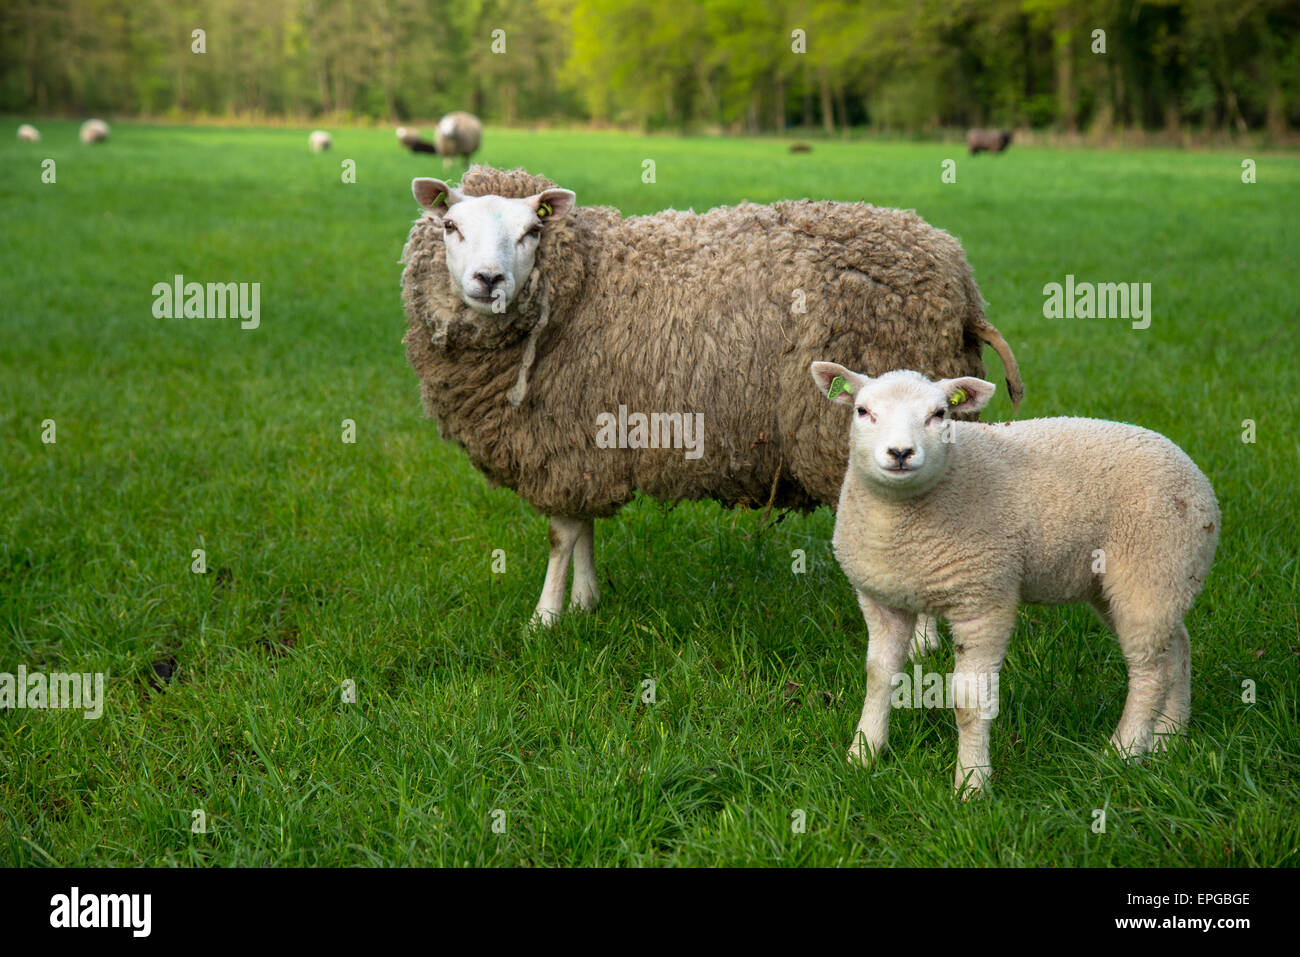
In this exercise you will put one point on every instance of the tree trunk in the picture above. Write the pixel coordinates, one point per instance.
(1063, 44)
(828, 119)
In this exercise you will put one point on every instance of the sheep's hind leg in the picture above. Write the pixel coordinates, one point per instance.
(980, 645)
(925, 637)
(564, 535)
(1177, 706)
(585, 593)
(889, 635)
(1149, 647)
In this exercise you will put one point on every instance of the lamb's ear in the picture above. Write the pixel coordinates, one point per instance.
(836, 382)
(967, 394)
(435, 195)
(552, 203)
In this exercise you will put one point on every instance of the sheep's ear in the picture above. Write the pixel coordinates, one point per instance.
(967, 394)
(836, 382)
(435, 195)
(552, 203)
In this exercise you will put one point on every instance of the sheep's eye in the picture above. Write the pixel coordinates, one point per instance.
(534, 232)
(449, 226)
(863, 412)
(936, 414)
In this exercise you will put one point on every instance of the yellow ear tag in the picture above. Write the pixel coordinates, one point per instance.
(544, 210)
(957, 398)
(838, 385)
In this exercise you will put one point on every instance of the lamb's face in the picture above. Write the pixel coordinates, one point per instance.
(901, 436)
(491, 241)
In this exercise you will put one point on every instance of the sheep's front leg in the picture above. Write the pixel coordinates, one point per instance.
(564, 535)
(980, 644)
(889, 640)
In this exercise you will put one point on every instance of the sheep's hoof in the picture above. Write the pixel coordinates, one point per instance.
(543, 618)
(1130, 748)
(970, 783)
(860, 753)
(585, 602)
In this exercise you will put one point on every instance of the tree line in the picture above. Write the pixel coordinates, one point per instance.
(731, 65)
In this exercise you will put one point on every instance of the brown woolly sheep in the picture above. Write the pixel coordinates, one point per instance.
(992, 141)
(714, 317)
(458, 135)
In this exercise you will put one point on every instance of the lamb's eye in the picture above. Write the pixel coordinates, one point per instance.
(449, 227)
(937, 415)
(863, 412)
(535, 232)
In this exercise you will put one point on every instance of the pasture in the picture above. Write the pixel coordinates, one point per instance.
(475, 741)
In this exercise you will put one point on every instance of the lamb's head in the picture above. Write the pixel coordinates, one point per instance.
(901, 435)
(491, 241)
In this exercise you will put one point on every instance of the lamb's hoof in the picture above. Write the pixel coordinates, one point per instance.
(1130, 748)
(971, 783)
(860, 754)
(1167, 734)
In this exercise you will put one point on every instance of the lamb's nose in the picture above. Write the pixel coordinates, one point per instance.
(489, 279)
(901, 455)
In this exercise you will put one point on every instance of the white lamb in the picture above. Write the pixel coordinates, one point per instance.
(319, 141)
(94, 131)
(967, 520)
(28, 134)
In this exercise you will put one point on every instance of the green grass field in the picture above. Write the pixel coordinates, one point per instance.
(371, 562)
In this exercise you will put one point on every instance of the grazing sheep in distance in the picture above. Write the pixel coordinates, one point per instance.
(28, 134)
(800, 148)
(528, 318)
(411, 140)
(966, 520)
(458, 134)
(992, 141)
(94, 131)
(319, 141)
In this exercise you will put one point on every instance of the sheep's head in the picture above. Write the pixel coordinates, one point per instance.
(491, 241)
(902, 434)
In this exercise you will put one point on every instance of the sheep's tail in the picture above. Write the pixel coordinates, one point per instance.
(1015, 387)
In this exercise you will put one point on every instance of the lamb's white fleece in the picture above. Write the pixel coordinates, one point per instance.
(1049, 511)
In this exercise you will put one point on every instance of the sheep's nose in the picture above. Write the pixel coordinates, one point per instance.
(901, 455)
(489, 279)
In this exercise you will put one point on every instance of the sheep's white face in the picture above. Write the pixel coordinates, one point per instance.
(491, 241)
(901, 436)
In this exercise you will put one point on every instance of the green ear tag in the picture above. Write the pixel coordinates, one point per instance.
(957, 398)
(838, 385)
(544, 209)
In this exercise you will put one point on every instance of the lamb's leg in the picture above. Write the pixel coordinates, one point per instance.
(925, 637)
(585, 591)
(889, 636)
(1178, 699)
(980, 644)
(564, 535)
(1148, 646)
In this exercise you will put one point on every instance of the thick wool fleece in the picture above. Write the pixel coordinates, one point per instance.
(458, 134)
(679, 312)
(1019, 515)
(994, 141)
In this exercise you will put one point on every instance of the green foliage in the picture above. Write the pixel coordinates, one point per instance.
(709, 64)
